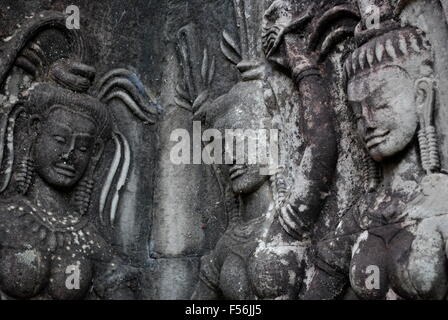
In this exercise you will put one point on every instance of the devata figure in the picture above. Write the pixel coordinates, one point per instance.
(262, 253)
(44, 233)
(392, 244)
(57, 128)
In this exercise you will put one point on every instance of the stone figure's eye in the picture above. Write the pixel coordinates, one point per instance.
(356, 108)
(382, 106)
(59, 139)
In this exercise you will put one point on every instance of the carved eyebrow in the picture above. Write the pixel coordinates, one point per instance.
(84, 135)
(62, 126)
(368, 97)
(70, 130)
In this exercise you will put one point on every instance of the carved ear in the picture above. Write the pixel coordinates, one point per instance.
(98, 149)
(34, 125)
(429, 147)
(424, 98)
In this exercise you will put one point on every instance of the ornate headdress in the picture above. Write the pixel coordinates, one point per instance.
(407, 46)
(384, 40)
(69, 89)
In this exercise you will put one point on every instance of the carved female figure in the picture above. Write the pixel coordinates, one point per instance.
(240, 267)
(261, 255)
(392, 243)
(49, 249)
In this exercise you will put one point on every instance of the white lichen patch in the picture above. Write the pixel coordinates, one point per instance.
(292, 277)
(362, 238)
(7, 39)
(28, 257)
(309, 275)
(75, 238)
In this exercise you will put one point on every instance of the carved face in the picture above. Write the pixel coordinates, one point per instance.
(384, 102)
(246, 178)
(244, 111)
(64, 147)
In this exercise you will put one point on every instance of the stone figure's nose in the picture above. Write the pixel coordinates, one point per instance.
(68, 154)
(368, 115)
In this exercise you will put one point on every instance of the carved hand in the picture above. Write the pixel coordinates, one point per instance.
(283, 40)
(299, 60)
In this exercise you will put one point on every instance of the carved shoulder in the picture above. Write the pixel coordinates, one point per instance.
(431, 200)
(15, 219)
(96, 246)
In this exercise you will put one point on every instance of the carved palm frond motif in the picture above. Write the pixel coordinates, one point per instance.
(123, 86)
(230, 48)
(198, 79)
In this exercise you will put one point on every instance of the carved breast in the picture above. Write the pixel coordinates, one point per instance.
(43, 257)
(28, 274)
(23, 273)
(264, 268)
(70, 277)
(379, 263)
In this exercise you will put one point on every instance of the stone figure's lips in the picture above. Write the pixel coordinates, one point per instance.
(237, 171)
(65, 169)
(376, 138)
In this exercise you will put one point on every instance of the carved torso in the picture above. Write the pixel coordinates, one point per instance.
(384, 230)
(40, 251)
(385, 237)
(263, 267)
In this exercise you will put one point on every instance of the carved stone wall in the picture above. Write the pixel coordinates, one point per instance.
(354, 209)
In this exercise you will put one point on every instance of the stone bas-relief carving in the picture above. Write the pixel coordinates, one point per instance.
(54, 137)
(44, 230)
(73, 177)
(396, 230)
(262, 253)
